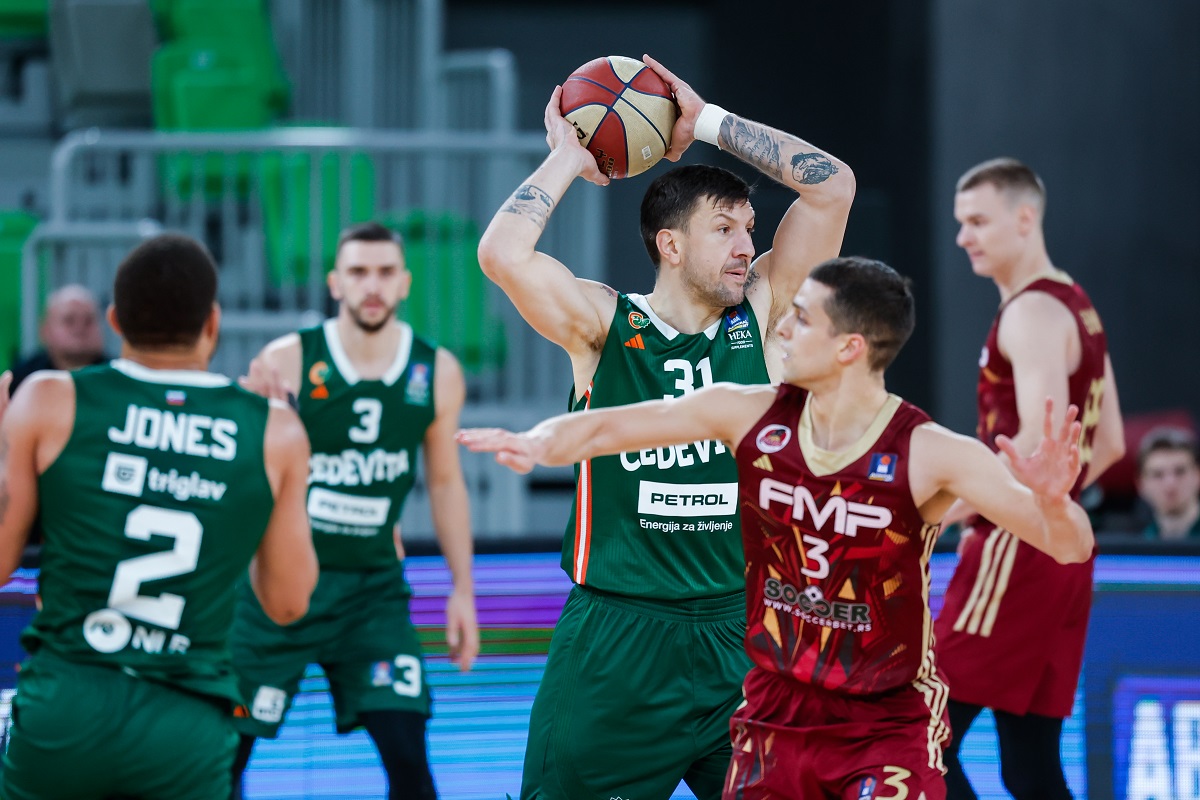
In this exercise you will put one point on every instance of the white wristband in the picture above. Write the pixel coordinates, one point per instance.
(708, 123)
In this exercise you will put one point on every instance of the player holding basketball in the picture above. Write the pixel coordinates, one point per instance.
(371, 393)
(842, 486)
(646, 661)
(158, 484)
(1010, 636)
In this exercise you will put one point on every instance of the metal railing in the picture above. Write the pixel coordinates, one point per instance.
(269, 204)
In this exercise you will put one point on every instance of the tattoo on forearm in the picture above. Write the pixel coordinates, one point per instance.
(751, 143)
(810, 168)
(530, 202)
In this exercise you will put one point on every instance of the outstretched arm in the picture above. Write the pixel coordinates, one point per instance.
(570, 312)
(451, 509)
(723, 411)
(1030, 497)
(812, 229)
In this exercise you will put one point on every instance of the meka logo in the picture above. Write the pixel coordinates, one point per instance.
(847, 515)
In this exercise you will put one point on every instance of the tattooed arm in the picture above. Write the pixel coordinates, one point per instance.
(811, 230)
(571, 312)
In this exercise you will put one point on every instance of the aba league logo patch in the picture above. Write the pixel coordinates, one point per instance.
(773, 438)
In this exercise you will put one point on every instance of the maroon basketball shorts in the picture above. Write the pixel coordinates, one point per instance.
(794, 740)
(1011, 633)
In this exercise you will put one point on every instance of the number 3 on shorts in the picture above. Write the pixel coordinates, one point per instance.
(896, 779)
(408, 676)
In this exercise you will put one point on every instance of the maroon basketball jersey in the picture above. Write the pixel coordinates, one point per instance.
(1011, 632)
(837, 554)
(997, 391)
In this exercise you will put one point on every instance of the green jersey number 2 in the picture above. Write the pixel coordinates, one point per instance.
(686, 382)
(166, 610)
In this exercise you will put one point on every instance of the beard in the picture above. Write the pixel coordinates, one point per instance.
(717, 295)
(368, 326)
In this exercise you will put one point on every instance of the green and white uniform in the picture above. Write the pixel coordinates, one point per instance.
(365, 436)
(646, 663)
(151, 514)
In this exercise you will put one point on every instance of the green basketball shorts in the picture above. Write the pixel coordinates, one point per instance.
(357, 629)
(636, 697)
(89, 732)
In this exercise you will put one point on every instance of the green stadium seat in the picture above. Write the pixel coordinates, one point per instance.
(24, 19)
(287, 218)
(448, 302)
(15, 228)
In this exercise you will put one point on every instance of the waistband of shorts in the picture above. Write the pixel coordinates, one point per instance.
(719, 608)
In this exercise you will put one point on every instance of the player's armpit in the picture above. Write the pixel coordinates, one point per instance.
(284, 571)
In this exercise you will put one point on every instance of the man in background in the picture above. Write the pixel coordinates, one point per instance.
(70, 334)
(1169, 483)
(1010, 636)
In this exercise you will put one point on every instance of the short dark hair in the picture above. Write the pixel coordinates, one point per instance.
(870, 298)
(1169, 439)
(164, 291)
(673, 196)
(1008, 175)
(369, 232)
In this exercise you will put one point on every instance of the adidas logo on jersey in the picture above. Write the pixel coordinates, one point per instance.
(636, 343)
(763, 462)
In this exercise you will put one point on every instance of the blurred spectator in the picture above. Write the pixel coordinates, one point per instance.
(70, 333)
(1169, 483)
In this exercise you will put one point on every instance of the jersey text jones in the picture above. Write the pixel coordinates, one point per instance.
(189, 434)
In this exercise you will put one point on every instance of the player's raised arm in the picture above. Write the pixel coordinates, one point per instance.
(451, 508)
(284, 571)
(813, 227)
(570, 312)
(723, 411)
(1030, 497)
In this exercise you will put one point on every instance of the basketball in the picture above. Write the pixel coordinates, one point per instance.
(623, 113)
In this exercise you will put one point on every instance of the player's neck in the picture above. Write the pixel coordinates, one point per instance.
(676, 307)
(168, 358)
(370, 353)
(842, 412)
(1034, 264)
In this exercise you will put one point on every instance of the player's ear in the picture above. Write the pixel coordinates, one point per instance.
(1027, 218)
(331, 279)
(110, 314)
(852, 349)
(668, 246)
(213, 324)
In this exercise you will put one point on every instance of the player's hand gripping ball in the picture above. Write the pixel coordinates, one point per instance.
(622, 112)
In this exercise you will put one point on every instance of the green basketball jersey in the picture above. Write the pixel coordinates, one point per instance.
(151, 515)
(662, 523)
(365, 435)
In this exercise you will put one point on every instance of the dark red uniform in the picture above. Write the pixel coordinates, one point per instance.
(1011, 633)
(844, 700)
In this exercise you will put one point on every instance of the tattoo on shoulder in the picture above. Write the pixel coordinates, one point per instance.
(530, 202)
(611, 291)
(810, 168)
(751, 143)
(751, 279)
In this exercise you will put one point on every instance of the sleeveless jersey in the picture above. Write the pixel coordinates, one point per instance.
(837, 554)
(1085, 387)
(365, 435)
(151, 515)
(1006, 594)
(662, 523)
